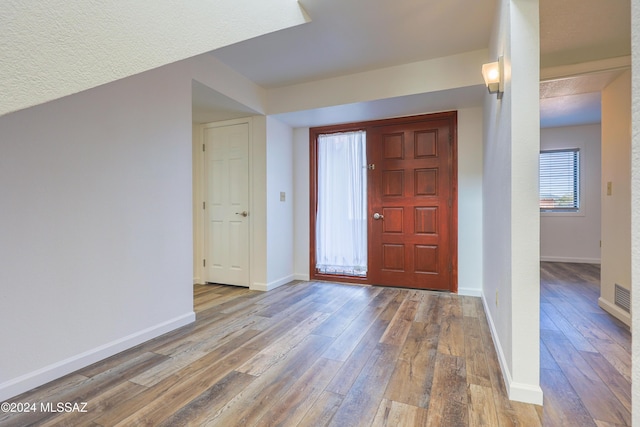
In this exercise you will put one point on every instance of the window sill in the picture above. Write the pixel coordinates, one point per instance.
(563, 214)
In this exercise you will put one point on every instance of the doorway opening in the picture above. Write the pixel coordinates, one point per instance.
(408, 169)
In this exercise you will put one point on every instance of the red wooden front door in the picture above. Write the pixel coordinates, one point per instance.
(412, 190)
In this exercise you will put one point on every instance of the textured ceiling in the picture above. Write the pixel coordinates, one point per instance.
(344, 37)
(575, 31)
(50, 49)
(585, 83)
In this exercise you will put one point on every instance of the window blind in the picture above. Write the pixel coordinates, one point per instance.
(560, 180)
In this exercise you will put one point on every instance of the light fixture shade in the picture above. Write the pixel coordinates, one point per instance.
(493, 76)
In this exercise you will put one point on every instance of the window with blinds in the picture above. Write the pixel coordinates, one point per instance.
(560, 180)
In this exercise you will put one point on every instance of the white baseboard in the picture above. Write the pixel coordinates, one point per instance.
(272, 285)
(526, 393)
(57, 370)
(615, 311)
(303, 277)
(570, 259)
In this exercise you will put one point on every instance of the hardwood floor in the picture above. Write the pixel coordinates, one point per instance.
(315, 354)
(585, 354)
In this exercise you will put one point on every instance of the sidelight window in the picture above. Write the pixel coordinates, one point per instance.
(341, 221)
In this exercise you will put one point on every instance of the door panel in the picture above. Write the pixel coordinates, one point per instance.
(412, 187)
(227, 198)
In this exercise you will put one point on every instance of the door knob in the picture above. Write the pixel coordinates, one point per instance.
(378, 216)
(243, 213)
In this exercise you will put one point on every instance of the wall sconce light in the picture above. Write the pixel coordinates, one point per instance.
(493, 74)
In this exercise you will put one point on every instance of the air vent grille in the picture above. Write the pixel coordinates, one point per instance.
(623, 298)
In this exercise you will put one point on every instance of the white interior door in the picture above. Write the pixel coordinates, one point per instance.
(227, 204)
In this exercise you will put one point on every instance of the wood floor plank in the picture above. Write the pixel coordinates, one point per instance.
(429, 308)
(298, 297)
(527, 415)
(451, 332)
(105, 402)
(396, 414)
(363, 399)
(392, 307)
(278, 350)
(336, 324)
(151, 394)
(546, 359)
(614, 380)
(617, 331)
(565, 327)
(412, 377)
(469, 306)
(358, 358)
(606, 424)
(448, 405)
(322, 410)
(185, 390)
(102, 382)
(46, 393)
(211, 400)
(562, 406)
(545, 320)
(597, 398)
(194, 355)
(482, 409)
(475, 359)
(295, 403)
(257, 398)
(400, 323)
(619, 358)
(344, 344)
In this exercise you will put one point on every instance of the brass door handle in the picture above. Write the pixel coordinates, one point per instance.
(243, 213)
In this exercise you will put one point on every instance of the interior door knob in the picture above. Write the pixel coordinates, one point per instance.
(243, 213)
(378, 216)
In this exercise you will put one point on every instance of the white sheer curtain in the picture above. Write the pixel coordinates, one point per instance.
(341, 223)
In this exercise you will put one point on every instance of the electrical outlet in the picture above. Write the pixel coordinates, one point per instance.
(609, 189)
(496, 297)
(283, 196)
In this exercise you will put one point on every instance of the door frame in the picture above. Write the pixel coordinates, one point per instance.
(200, 196)
(452, 116)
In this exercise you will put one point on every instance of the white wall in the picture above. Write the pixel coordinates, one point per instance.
(470, 210)
(95, 225)
(280, 221)
(258, 211)
(469, 201)
(385, 83)
(616, 208)
(574, 237)
(98, 223)
(511, 213)
(301, 203)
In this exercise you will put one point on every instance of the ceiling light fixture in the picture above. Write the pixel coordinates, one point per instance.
(493, 74)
